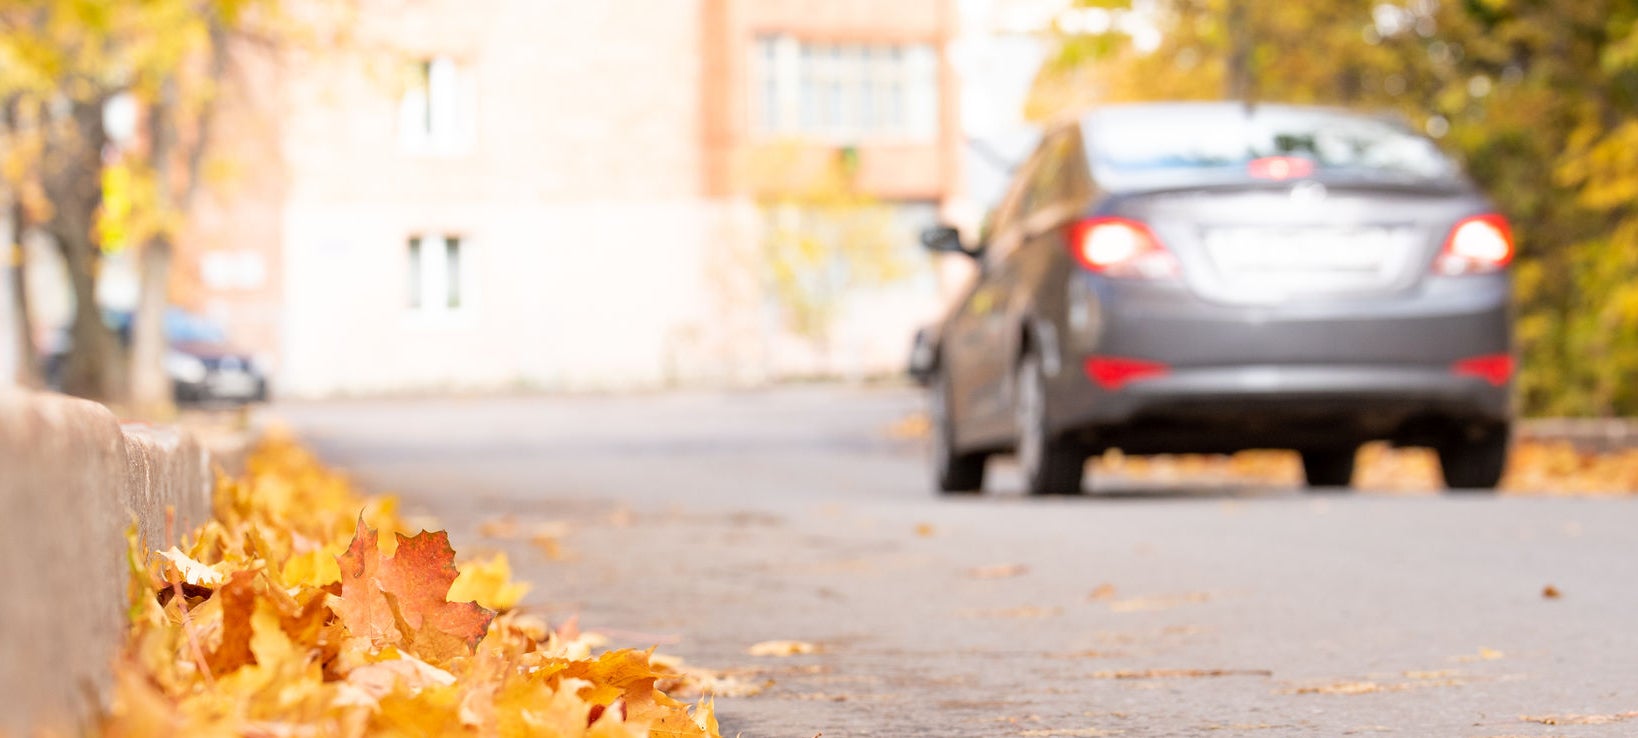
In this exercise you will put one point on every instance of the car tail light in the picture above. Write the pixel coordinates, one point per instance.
(1280, 167)
(1114, 372)
(1120, 247)
(1477, 245)
(1493, 368)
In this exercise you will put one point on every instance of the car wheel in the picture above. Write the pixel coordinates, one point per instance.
(954, 472)
(1328, 467)
(1051, 466)
(1474, 462)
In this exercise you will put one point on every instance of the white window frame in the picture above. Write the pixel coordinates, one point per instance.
(428, 279)
(436, 114)
(818, 89)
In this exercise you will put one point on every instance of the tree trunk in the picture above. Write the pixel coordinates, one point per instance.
(73, 179)
(1237, 77)
(28, 355)
(151, 392)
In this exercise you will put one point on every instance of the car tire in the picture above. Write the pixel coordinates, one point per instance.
(1328, 467)
(1051, 466)
(953, 472)
(1474, 462)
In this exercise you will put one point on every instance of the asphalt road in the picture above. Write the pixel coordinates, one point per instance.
(708, 522)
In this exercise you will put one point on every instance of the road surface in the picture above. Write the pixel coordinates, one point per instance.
(708, 522)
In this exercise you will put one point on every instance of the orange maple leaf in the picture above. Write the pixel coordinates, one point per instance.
(403, 598)
(238, 600)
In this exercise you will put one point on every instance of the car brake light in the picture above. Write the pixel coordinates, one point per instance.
(1114, 372)
(1280, 167)
(1493, 368)
(1477, 245)
(1120, 247)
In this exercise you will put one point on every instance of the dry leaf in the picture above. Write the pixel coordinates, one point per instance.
(505, 526)
(1179, 673)
(1163, 602)
(417, 577)
(488, 582)
(1550, 592)
(925, 530)
(998, 571)
(1078, 732)
(1580, 719)
(238, 600)
(1102, 592)
(782, 648)
(1348, 688)
(193, 572)
(1015, 613)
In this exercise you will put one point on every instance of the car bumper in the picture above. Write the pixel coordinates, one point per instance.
(1239, 377)
(231, 389)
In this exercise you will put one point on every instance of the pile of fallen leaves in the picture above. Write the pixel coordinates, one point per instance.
(1534, 467)
(303, 609)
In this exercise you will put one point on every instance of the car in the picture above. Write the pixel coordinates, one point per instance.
(1217, 277)
(204, 367)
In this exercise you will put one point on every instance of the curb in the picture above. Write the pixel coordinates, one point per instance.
(72, 481)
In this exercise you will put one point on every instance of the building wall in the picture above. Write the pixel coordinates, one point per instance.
(605, 242)
(573, 188)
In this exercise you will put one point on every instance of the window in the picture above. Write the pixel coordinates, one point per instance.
(845, 89)
(434, 273)
(433, 114)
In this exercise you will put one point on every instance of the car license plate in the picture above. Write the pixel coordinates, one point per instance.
(1264, 250)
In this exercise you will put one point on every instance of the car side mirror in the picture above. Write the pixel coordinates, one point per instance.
(945, 239)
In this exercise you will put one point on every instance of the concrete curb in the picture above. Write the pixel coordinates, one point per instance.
(72, 480)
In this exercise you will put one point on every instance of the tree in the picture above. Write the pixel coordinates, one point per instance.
(823, 236)
(64, 60)
(19, 194)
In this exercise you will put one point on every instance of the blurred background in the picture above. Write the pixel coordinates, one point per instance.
(242, 199)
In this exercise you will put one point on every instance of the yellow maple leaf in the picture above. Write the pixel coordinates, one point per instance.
(488, 582)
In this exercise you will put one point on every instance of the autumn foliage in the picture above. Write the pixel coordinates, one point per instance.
(304, 609)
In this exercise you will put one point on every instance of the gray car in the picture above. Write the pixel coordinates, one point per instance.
(1213, 277)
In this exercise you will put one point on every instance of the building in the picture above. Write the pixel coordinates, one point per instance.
(484, 194)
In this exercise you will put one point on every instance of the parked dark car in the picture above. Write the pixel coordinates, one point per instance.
(1212, 277)
(203, 365)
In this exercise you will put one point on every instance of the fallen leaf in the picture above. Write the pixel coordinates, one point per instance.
(417, 577)
(925, 530)
(1163, 602)
(782, 648)
(238, 600)
(1102, 592)
(1484, 654)
(1550, 592)
(488, 582)
(1077, 732)
(1025, 612)
(1348, 688)
(998, 571)
(505, 526)
(1580, 719)
(1179, 673)
(192, 571)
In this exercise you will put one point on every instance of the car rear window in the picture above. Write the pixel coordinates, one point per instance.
(1171, 146)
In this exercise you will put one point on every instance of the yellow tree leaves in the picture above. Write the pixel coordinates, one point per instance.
(266, 639)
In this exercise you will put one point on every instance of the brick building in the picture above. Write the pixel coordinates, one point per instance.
(546, 193)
